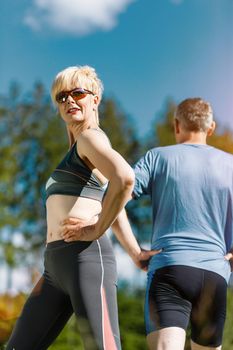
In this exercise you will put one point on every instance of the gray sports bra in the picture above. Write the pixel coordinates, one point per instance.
(73, 177)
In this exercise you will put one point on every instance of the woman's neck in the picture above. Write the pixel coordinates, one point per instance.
(75, 129)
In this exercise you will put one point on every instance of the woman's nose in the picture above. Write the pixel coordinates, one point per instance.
(70, 99)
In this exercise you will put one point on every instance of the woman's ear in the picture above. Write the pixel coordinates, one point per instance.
(96, 101)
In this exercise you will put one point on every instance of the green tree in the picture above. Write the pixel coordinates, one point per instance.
(228, 335)
(162, 131)
(29, 134)
(119, 129)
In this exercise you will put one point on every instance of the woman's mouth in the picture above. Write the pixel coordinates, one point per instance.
(73, 110)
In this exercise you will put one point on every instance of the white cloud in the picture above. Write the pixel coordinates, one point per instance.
(79, 17)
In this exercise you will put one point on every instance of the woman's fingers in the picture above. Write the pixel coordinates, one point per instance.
(154, 252)
(67, 228)
(67, 235)
(71, 236)
(229, 256)
(71, 225)
(70, 220)
(147, 254)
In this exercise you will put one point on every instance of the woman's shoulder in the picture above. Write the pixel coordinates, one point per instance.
(92, 134)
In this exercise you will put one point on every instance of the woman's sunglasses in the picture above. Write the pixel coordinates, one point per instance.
(76, 94)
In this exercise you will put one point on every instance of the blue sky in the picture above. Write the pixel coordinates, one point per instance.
(144, 50)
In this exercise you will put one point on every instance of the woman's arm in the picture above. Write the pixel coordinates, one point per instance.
(229, 257)
(123, 231)
(94, 147)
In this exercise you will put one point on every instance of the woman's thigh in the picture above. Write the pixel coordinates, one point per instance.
(44, 314)
(94, 296)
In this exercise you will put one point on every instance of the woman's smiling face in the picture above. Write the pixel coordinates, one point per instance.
(76, 105)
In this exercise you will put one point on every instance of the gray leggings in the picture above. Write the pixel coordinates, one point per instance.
(79, 277)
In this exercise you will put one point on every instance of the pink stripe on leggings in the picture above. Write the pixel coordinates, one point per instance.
(108, 338)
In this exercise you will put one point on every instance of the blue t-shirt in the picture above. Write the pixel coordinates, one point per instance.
(191, 188)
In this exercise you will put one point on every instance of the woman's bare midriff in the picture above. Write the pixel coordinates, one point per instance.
(60, 207)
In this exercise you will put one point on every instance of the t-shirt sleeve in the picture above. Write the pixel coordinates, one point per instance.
(142, 170)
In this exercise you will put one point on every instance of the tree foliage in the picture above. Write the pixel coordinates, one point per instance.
(29, 136)
(118, 127)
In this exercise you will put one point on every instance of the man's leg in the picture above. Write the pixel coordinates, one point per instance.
(208, 313)
(195, 346)
(170, 338)
(167, 311)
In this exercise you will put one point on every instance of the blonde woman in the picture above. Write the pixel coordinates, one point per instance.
(79, 277)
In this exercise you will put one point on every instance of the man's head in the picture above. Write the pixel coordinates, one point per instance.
(193, 118)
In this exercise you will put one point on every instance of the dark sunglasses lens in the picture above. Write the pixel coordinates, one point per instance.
(78, 94)
(61, 97)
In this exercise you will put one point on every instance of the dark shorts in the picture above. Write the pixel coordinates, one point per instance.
(177, 295)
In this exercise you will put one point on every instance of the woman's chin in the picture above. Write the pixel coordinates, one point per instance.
(77, 118)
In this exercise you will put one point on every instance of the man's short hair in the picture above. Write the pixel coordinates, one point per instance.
(194, 114)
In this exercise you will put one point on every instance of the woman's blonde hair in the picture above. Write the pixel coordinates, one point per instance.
(77, 76)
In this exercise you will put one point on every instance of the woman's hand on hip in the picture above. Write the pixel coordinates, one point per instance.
(143, 258)
(229, 257)
(75, 230)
